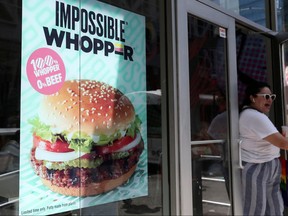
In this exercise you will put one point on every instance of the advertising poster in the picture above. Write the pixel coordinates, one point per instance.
(83, 106)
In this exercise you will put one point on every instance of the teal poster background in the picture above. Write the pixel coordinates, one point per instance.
(125, 72)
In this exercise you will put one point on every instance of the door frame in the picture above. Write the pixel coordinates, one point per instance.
(183, 8)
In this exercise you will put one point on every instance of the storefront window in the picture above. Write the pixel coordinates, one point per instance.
(15, 95)
(252, 60)
(254, 10)
(285, 77)
(10, 52)
(282, 8)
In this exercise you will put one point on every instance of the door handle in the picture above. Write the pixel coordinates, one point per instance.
(240, 154)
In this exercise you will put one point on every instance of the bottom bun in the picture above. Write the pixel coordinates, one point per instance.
(93, 188)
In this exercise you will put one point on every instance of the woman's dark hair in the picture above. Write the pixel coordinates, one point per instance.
(253, 89)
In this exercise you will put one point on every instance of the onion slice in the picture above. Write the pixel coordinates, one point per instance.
(41, 154)
(134, 143)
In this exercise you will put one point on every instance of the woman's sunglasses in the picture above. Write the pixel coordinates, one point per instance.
(268, 96)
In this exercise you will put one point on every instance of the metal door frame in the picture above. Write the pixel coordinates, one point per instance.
(183, 8)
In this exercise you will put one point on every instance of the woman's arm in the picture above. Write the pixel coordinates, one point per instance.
(278, 140)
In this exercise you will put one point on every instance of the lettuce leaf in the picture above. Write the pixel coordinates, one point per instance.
(135, 127)
(80, 141)
(42, 130)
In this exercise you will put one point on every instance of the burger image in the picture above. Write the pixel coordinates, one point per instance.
(86, 139)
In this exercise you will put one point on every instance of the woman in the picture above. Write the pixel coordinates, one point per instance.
(261, 144)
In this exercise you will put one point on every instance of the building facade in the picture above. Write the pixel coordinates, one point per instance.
(189, 60)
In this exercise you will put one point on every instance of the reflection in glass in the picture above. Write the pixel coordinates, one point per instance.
(209, 117)
(285, 77)
(282, 15)
(10, 52)
(254, 10)
(251, 60)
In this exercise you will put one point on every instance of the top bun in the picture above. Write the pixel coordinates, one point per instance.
(88, 106)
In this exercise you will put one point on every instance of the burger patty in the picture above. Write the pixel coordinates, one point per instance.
(76, 176)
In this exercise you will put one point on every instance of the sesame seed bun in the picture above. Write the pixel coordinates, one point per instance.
(88, 106)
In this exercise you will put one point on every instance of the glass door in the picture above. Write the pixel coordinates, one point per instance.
(283, 46)
(208, 105)
(209, 111)
(284, 55)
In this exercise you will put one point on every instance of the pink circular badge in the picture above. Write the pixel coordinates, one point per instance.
(46, 71)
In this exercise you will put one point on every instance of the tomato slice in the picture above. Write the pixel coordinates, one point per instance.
(58, 146)
(116, 145)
